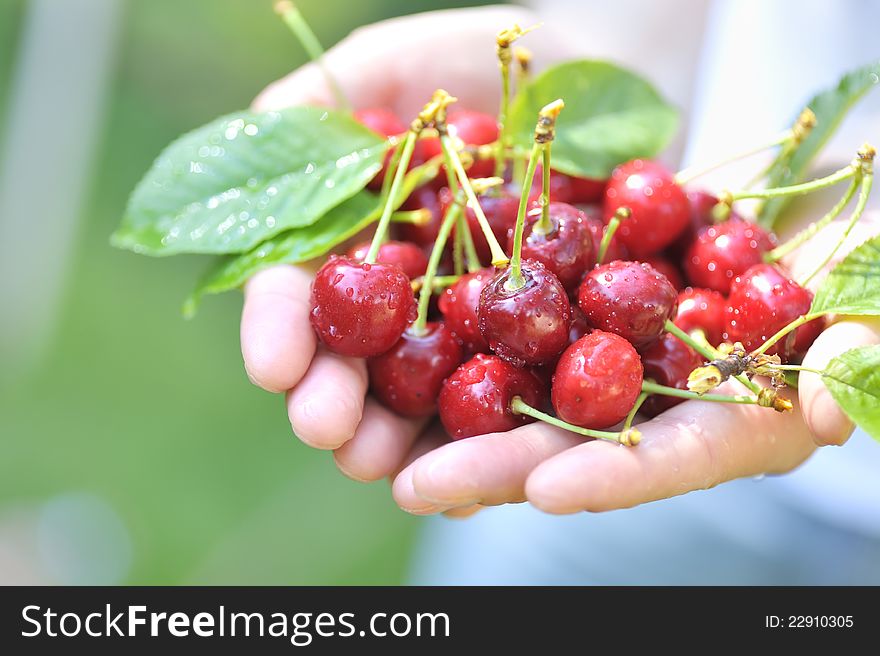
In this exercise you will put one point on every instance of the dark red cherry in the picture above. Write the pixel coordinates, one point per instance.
(704, 309)
(475, 399)
(529, 325)
(566, 249)
(560, 186)
(586, 190)
(579, 325)
(660, 209)
(597, 381)
(723, 251)
(630, 299)
(667, 268)
(385, 123)
(459, 304)
(360, 310)
(474, 129)
(408, 378)
(616, 249)
(425, 197)
(500, 205)
(410, 258)
(762, 301)
(667, 362)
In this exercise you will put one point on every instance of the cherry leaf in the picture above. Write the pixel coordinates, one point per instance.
(853, 378)
(853, 286)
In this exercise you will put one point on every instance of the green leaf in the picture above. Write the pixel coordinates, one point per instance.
(611, 115)
(245, 177)
(853, 378)
(830, 107)
(304, 244)
(853, 286)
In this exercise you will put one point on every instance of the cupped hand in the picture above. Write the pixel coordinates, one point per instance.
(396, 64)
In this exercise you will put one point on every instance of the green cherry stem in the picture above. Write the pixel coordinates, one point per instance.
(794, 325)
(412, 217)
(543, 225)
(292, 17)
(405, 157)
(523, 57)
(650, 387)
(845, 173)
(440, 282)
(503, 41)
(457, 250)
(692, 172)
(795, 367)
(520, 407)
(864, 193)
(472, 259)
(621, 214)
(810, 231)
(418, 327)
(392, 167)
(628, 422)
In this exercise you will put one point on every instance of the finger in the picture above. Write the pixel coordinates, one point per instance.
(380, 443)
(693, 446)
(401, 481)
(828, 423)
(277, 341)
(326, 406)
(487, 469)
(372, 73)
(465, 512)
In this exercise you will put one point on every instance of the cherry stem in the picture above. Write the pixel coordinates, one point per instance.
(292, 17)
(796, 367)
(810, 231)
(392, 167)
(405, 157)
(472, 259)
(520, 407)
(864, 193)
(523, 57)
(544, 226)
(458, 250)
(845, 173)
(650, 387)
(440, 282)
(692, 172)
(627, 423)
(621, 214)
(794, 325)
(452, 213)
(412, 217)
(499, 259)
(503, 41)
(516, 280)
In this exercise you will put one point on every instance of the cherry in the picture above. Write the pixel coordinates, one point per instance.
(566, 249)
(560, 186)
(630, 299)
(528, 325)
(667, 268)
(586, 190)
(668, 362)
(660, 209)
(459, 304)
(704, 309)
(385, 123)
(597, 381)
(579, 325)
(763, 300)
(410, 258)
(616, 250)
(425, 197)
(500, 206)
(475, 399)
(722, 251)
(360, 310)
(408, 378)
(474, 129)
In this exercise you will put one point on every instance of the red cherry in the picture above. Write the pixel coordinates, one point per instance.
(597, 381)
(668, 362)
(616, 249)
(630, 299)
(408, 378)
(579, 325)
(476, 398)
(459, 304)
(474, 129)
(762, 301)
(527, 326)
(703, 309)
(566, 249)
(660, 209)
(410, 258)
(360, 310)
(385, 123)
(586, 190)
(723, 251)
(667, 268)
(424, 235)
(500, 205)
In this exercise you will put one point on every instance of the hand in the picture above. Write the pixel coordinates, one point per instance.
(695, 445)
(395, 64)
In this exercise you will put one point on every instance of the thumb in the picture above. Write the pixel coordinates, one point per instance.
(826, 421)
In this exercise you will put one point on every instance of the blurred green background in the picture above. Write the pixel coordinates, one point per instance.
(132, 447)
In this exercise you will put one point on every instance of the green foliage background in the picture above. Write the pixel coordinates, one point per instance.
(154, 414)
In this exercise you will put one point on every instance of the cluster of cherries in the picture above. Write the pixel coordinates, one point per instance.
(581, 315)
